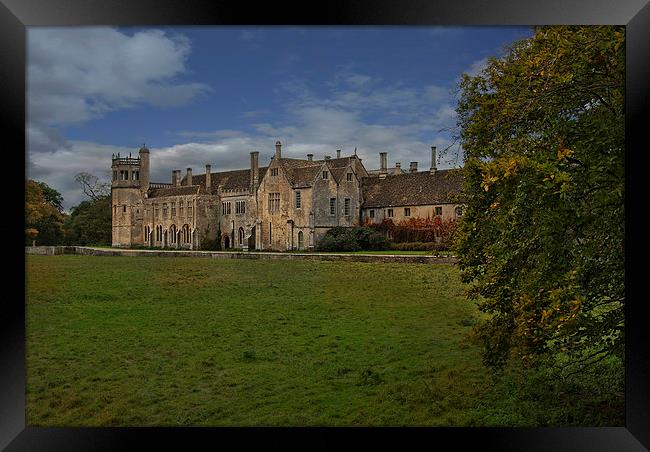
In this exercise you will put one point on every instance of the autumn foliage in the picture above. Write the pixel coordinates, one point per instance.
(418, 230)
(542, 239)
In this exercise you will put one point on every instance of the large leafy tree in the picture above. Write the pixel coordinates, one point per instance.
(90, 222)
(542, 239)
(43, 214)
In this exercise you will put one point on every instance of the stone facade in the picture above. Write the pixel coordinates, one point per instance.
(288, 205)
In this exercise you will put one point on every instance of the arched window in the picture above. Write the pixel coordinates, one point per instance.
(147, 234)
(186, 233)
(241, 237)
(172, 234)
(301, 240)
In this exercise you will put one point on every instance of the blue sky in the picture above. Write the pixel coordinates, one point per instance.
(198, 95)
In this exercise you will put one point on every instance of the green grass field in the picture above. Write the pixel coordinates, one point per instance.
(197, 341)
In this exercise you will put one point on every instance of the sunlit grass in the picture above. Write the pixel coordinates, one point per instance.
(196, 341)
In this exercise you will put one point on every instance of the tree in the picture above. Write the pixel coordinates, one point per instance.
(90, 222)
(542, 239)
(92, 186)
(43, 216)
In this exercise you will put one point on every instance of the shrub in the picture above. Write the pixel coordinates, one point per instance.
(353, 239)
(420, 246)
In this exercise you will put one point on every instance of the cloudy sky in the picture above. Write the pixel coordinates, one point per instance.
(198, 95)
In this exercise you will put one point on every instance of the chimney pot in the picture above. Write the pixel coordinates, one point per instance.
(398, 168)
(254, 171)
(414, 167)
(383, 165)
(433, 160)
(189, 176)
(208, 177)
(338, 153)
(278, 150)
(310, 157)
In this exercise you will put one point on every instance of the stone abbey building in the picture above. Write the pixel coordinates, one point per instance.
(288, 205)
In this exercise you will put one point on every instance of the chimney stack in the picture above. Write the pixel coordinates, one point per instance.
(383, 165)
(414, 167)
(174, 178)
(278, 150)
(189, 177)
(310, 157)
(338, 153)
(208, 177)
(177, 178)
(433, 160)
(398, 168)
(254, 170)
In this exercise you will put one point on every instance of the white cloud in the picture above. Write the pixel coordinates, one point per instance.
(77, 74)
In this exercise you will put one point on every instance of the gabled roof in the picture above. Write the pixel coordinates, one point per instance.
(413, 189)
(301, 173)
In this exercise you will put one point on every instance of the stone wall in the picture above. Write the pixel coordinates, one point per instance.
(386, 258)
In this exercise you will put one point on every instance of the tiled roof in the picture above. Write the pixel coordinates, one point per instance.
(173, 191)
(229, 180)
(413, 189)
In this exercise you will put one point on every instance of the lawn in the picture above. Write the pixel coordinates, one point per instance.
(198, 341)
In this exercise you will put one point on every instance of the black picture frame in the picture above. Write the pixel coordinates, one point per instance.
(16, 15)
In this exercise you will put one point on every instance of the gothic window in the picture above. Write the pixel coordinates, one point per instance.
(186, 233)
(241, 237)
(172, 234)
(301, 240)
(114, 175)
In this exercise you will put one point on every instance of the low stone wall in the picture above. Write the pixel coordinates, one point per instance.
(386, 258)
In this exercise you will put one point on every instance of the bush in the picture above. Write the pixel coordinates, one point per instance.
(353, 239)
(339, 239)
(420, 246)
